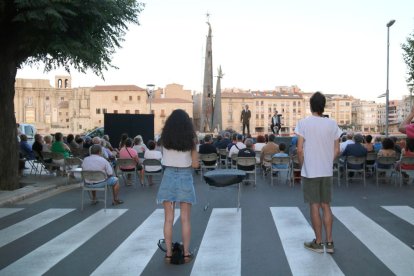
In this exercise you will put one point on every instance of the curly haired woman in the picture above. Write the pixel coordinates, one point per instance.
(179, 157)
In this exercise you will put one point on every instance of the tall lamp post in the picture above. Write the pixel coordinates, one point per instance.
(150, 93)
(387, 92)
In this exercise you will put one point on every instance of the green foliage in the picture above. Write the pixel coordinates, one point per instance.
(408, 55)
(63, 33)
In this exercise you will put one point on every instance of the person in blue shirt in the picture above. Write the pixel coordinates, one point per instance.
(282, 148)
(25, 148)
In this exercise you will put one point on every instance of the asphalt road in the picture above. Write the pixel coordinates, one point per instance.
(373, 233)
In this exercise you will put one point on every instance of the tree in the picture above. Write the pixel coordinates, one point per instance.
(82, 34)
(408, 56)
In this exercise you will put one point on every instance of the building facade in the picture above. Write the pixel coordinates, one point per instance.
(76, 110)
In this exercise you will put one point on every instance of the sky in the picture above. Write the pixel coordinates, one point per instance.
(321, 45)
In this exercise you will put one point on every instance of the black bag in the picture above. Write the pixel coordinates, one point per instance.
(177, 251)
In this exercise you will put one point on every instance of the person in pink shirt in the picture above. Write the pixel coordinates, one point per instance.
(127, 152)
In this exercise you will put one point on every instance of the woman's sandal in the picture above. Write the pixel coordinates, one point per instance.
(117, 202)
(188, 258)
(167, 259)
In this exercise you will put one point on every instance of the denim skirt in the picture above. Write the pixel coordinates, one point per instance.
(177, 186)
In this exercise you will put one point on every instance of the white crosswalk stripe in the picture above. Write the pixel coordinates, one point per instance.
(397, 256)
(404, 212)
(22, 228)
(220, 249)
(8, 211)
(43, 258)
(132, 256)
(293, 228)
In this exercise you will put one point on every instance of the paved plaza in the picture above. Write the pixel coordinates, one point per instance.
(47, 233)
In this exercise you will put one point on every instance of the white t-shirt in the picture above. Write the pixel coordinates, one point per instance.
(235, 150)
(174, 158)
(319, 135)
(95, 162)
(153, 154)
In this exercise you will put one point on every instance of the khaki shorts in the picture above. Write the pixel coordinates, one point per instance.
(317, 190)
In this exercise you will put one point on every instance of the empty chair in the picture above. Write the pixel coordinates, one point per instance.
(93, 177)
(279, 165)
(355, 165)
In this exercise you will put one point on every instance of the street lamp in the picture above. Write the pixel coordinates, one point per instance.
(387, 92)
(150, 93)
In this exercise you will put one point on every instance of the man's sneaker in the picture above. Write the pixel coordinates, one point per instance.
(314, 246)
(329, 247)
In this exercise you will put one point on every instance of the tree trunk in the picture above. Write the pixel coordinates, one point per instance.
(9, 157)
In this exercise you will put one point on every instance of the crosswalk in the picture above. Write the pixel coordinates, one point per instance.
(220, 247)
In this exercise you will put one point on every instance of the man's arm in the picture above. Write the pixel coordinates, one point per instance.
(336, 149)
(406, 121)
(300, 150)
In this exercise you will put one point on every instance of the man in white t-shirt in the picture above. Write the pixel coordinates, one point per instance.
(318, 146)
(238, 146)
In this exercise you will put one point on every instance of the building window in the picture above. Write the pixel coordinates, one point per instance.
(139, 98)
(62, 99)
(116, 98)
(262, 116)
(162, 113)
(104, 110)
(59, 83)
(100, 121)
(347, 104)
(67, 120)
(257, 116)
(47, 98)
(261, 103)
(60, 113)
(115, 111)
(98, 111)
(136, 111)
(80, 126)
(127, 111)
(130, 98)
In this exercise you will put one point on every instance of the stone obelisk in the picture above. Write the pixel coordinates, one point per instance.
(217, 122)
(207, 100)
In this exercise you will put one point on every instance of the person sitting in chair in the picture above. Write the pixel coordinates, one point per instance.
(248, 151)
(208, 148)
(95, 162)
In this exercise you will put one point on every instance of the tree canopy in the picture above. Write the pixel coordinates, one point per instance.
(61, 33)
(408, 48)
(82, 34)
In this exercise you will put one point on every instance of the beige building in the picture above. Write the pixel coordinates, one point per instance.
(365, 116)
(76, 110)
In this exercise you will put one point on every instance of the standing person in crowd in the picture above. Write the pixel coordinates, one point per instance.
(177, 186)
(245, 119)
(152, 153)
(318, 146)
(275, 123)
